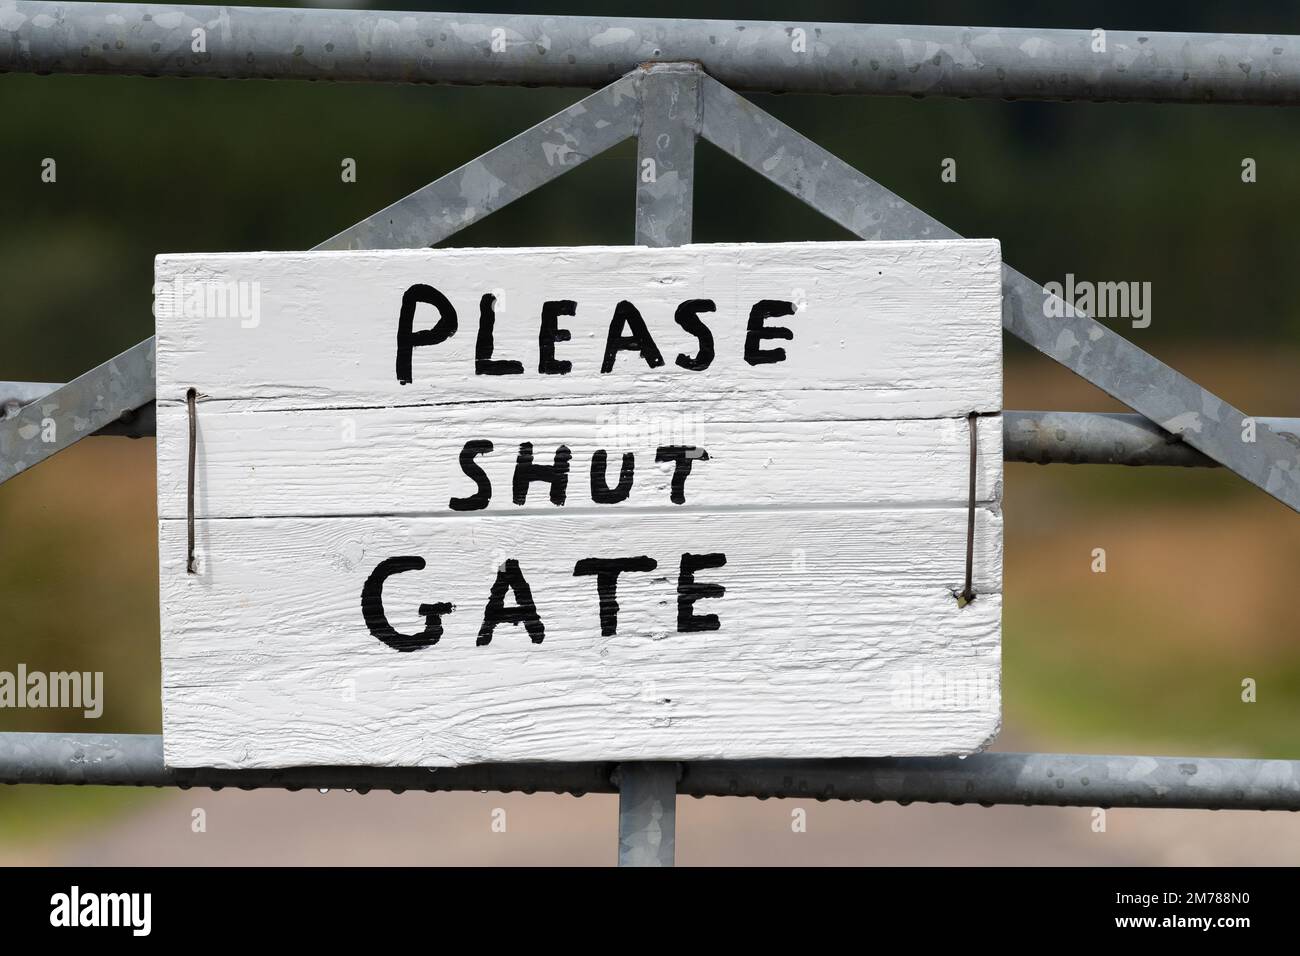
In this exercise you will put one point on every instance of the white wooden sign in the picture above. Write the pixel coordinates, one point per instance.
(478, 505)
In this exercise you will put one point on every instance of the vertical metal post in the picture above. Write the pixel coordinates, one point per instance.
(665, 153)
(647, 813)
(665, 171)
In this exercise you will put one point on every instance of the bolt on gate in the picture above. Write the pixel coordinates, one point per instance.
(667, 83)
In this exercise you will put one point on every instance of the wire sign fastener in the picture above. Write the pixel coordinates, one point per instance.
(967, 593)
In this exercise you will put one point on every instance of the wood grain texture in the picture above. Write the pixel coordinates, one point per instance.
(836, 486)
(824, 614)
(272, 463)
(885, 330)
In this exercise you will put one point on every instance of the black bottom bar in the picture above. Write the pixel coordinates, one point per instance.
(469, 909)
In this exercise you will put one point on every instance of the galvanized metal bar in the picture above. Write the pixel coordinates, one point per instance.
(665, 171)
(501, 175)
(670, 120)
(136, 423)
(1079, 438)
(1080, 343)
(1088, 438)
(1086, 780)
(80, 408)
(14, 395)
(137, 760)
(647, 813)
(1042, 438)
(1083, 780)
(47, 36)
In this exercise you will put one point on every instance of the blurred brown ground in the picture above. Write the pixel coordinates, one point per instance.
(277, 828)
(1147, 658)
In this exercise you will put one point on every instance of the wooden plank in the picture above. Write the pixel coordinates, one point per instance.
(884, 330)
(272, 463)
(826, 617)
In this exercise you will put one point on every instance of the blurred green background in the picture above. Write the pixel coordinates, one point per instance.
(1148, 657)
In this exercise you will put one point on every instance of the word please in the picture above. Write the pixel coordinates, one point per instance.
(627, 333)
(510, 578)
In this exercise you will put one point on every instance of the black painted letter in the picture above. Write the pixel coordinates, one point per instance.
(601, 492)
(607, 571)
(688, 317)
(756, 331)
(626, 316)
(407, 340)
(524, 612)
(372, 608)
(683, 455)
(556, 475)
(480, 498)
(689, 591)
(551, 333)
(484, 363)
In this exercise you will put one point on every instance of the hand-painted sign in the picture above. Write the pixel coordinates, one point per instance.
(473, 505)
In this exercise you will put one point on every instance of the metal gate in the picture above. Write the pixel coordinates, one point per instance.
(670, 82)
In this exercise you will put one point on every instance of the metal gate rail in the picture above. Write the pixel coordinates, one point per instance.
(50, 36)
(1058, 780)
(666, 105)
(1037, 437)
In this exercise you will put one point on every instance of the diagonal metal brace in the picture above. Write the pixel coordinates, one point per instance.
(71, 412)
(1080, 343)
